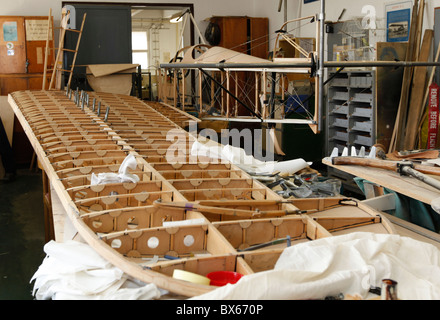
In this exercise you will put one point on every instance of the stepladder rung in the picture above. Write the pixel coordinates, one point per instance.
(58, 61)
(59, 69)
(64, 49)
(71, 30)
(74, 30)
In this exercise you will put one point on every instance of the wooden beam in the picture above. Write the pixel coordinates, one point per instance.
(397, 137)
(417, 92)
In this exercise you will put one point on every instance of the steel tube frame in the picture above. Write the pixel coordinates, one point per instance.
(320, 66)
(299, 65)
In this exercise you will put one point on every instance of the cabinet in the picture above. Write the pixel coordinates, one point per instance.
(246, 35)
(23, 44)
(22, 54)
(351, 111)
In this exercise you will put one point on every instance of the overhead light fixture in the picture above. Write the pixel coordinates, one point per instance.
(176, 18)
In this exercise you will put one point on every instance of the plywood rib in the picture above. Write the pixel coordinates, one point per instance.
(232, 211)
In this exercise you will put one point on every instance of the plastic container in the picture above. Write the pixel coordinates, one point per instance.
(222, 278)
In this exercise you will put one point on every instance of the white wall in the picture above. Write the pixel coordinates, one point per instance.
(203, 8)
(256, 8)
(354, 10)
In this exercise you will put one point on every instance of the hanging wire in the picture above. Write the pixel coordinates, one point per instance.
(244, 88)
(257, 39)
(296, 98)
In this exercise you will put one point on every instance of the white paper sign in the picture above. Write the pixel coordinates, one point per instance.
(36, 30)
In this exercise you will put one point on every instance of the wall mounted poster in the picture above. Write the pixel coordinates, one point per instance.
(398, 18)
(10, 31)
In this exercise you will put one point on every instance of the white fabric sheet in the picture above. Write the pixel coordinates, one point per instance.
(74, 271)
(348, 264)
(238, 157)
(122, 176)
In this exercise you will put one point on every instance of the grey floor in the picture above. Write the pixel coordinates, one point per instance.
(22, 234)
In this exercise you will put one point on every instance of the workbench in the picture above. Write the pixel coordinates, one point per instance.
(404, 185)
(64, 230)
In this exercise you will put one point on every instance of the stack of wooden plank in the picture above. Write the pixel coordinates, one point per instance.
(415, 85)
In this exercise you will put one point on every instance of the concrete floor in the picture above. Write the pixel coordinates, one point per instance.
(22, 234)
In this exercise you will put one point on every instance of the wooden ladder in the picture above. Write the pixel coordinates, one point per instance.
(46, 53)
(58, 68)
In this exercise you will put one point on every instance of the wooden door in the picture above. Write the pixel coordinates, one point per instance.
(12, 45)
(233, 33)
(249, 36)
(106, 38)
(36, 37)
(259, 36)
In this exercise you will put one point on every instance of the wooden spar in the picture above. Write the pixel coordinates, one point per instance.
(407, 168)
(118, 219)
(175, 88)
(228, 83)
(229, 93)
(257, 91)
(416, 106)
(383, 164)
(200, 94)
(212, 94)
(222, 95)
(312, 18)
(248, 214)
(236, 90)
(396, 139)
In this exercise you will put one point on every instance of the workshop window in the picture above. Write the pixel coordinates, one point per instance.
(140, 48)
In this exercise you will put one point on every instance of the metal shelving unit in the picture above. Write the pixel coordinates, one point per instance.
(351, 111)
(351, 115)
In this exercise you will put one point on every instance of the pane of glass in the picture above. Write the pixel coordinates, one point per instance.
(139, 40)
(141, 58)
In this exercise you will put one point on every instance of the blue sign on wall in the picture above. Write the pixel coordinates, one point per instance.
(398, 17)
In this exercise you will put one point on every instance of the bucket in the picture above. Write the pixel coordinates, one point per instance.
(221, 278)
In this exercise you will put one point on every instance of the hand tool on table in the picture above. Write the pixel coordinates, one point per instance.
(408, 168)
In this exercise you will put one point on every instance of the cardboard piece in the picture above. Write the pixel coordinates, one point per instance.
(112, 78)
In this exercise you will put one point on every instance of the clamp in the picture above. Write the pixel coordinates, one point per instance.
(402, 166)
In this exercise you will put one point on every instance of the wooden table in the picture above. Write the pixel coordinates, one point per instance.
(408, 186)
(405, 185)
